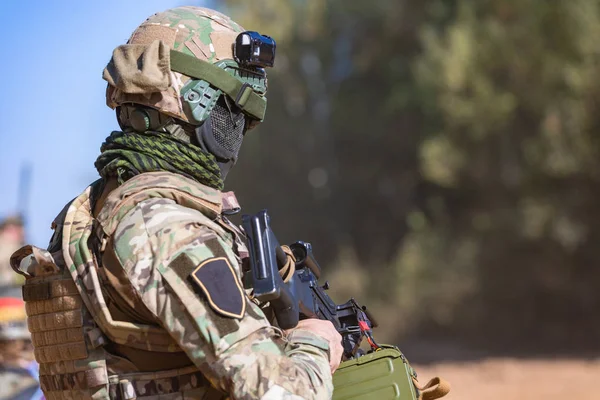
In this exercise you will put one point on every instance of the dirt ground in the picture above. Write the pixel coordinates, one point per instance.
(508, 379)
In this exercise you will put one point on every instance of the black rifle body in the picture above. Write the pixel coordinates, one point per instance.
(302, 296)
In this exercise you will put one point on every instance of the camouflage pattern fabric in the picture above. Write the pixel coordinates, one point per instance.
(161, 226)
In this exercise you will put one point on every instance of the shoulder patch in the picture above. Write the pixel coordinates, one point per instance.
(217, 279)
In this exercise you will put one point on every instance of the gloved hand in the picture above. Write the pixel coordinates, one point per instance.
(327, 331)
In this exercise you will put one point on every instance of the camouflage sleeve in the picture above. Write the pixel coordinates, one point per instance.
(175, 258)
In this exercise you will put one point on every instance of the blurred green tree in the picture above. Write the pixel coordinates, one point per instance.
(510, 90)
(451, 145)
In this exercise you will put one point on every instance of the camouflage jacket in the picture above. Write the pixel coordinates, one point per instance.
(158, 270)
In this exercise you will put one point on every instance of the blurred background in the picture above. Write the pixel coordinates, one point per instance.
(442, 157)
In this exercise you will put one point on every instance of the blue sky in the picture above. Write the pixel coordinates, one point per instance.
(53, 108)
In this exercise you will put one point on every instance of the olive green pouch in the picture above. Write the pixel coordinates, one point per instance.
(382, 375)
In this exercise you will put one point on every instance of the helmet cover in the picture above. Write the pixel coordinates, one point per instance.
(199, 32)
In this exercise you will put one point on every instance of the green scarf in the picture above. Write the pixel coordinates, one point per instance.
(125, 155)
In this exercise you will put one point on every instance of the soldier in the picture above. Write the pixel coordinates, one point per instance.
(18, 370)
(12, 237)
(139, 293)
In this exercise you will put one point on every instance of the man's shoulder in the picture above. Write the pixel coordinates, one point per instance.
(160, 225)
(156, 200)
(157, 214)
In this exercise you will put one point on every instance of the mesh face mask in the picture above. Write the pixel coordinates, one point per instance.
(222, 134)
(228, 128)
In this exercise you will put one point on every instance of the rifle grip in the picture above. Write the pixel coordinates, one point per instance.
(286, 312)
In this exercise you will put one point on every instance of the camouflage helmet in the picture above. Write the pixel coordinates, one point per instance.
(168, 65)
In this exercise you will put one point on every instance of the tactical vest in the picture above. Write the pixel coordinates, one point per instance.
(82, 341)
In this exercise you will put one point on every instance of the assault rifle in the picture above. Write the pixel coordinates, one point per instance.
(302, 296)
(383, 372)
